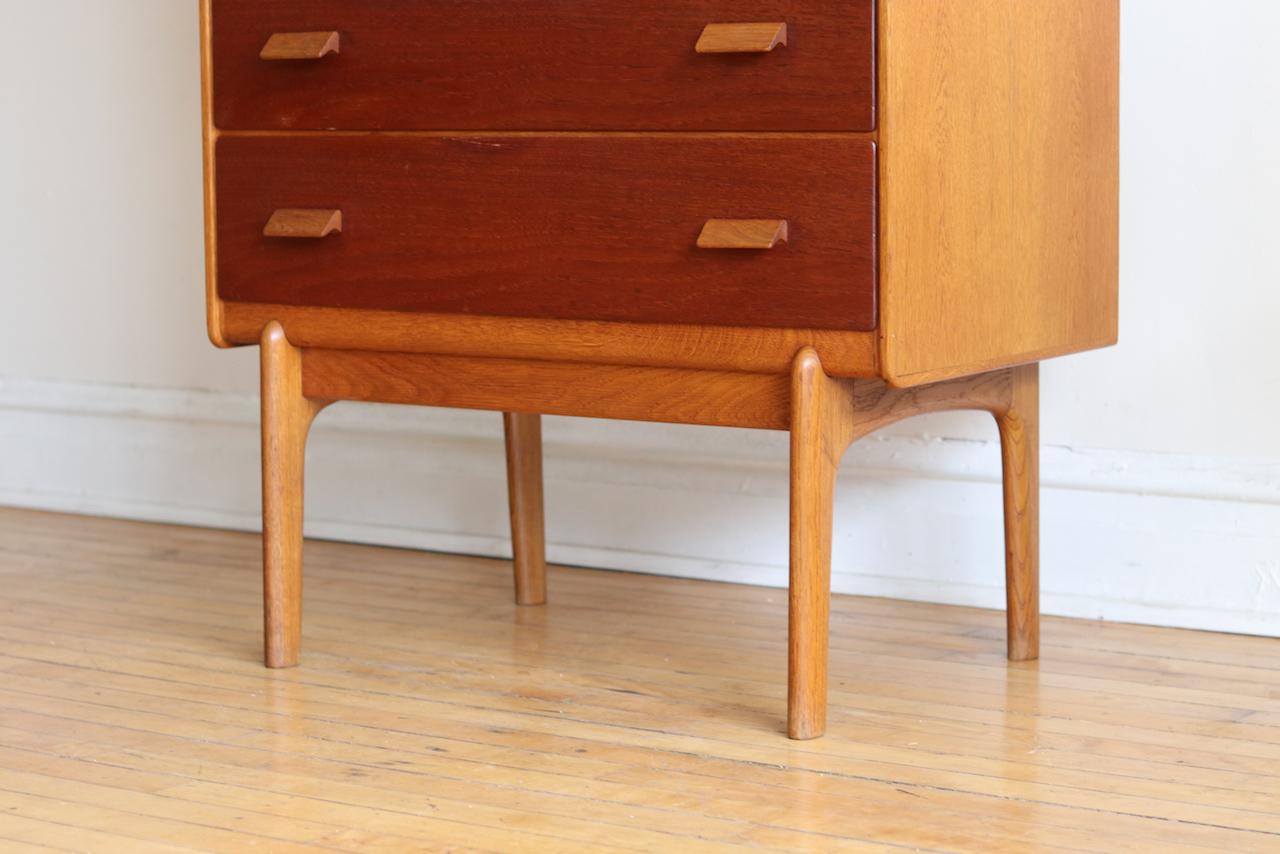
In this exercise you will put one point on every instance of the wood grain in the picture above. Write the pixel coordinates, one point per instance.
(301, 46)
(719, 398)
(1019, 424)
(1012, 396)
(824, 416)
(523, 434)
(743, 234)
(556, 64)
(567, 228)
(286, 418)
(208, 139)
(300, 223)
(640, 344)
(999, 203)
(877, 404)
(827, 415)
(433, 714)
(742, 38)
(820, 406)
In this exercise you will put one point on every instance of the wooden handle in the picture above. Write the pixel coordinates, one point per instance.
(743, 234)
(741, 38)
(282, 46)
(303, 223)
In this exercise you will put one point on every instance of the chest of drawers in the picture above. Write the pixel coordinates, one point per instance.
(819, 216)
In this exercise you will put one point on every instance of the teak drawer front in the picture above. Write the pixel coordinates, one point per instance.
(544, 65)
(583, 228)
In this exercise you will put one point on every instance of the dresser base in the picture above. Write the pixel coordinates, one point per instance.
(824, 415)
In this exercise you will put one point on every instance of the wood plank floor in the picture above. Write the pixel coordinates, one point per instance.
(631, 713)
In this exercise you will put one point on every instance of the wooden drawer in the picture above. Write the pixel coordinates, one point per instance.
(587, 228)
(555, 64)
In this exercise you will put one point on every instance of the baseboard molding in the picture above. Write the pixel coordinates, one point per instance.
(1135, 537)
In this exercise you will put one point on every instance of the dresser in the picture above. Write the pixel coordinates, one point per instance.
(817, 216)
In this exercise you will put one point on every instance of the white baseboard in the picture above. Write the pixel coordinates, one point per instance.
(1136, 537)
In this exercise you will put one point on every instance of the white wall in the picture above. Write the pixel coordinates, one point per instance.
(1162, 465)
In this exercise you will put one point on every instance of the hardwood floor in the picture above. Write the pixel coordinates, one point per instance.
(631, 713)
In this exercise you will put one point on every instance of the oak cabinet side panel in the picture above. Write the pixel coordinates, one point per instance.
(999, 183)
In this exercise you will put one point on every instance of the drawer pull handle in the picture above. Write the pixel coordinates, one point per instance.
(743, 234)
(741, 38)
(303, 223)
(283, 46)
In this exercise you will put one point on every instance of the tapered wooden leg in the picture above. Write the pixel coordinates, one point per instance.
(818, 441)
(524, 491)
(1020, 451)
(286, 419)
